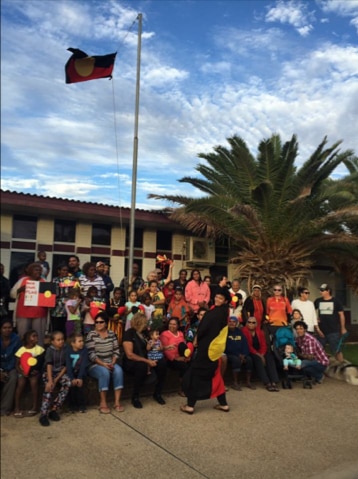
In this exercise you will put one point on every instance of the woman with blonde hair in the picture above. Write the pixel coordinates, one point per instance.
(136, 360)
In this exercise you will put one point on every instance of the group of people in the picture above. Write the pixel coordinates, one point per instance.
(143, 327)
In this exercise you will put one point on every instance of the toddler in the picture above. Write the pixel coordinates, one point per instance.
(55, 372)
(76, 365)
(154, 346)
(28, 364)
(290, 358)
(72, 305)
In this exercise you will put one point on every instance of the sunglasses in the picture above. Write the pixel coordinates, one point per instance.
(277, 289)
(100, 322)
(306, 292)
(251, 322)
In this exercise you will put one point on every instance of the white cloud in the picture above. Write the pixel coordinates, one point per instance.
(294, 13)
(344, 8)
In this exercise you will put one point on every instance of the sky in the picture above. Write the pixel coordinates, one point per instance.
(209, 70)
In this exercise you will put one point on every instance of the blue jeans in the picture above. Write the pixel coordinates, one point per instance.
(103, 376)
(313, 369)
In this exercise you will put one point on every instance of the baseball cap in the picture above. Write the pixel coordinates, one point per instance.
(324, 287)
(256, 286)
(99, 263)
(233, 318)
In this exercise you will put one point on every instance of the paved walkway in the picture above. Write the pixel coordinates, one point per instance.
(296, 434)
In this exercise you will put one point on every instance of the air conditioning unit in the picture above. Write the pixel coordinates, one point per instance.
(200, 251)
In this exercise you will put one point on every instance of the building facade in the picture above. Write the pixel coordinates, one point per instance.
(97, 232)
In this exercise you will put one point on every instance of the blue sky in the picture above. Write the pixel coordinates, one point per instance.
(209, 70)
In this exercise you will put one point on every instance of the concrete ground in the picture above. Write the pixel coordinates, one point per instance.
(296, 434)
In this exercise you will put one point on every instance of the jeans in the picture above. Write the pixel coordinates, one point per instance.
(103, 376)
(313, 369)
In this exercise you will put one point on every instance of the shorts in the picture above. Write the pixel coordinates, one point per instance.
(333, 340)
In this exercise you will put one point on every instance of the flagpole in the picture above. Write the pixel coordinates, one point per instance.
(135, 154)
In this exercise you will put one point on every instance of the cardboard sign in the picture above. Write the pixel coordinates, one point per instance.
(38, 293)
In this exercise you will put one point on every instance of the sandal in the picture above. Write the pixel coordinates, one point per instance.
(270, 388)
(274, 387)
(220, 407)
(19, 414)
(187, 409)
(31, 413)
(104, 410)
(118, 408)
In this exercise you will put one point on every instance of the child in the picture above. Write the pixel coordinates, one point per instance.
(118, 299)
(131, 303)
(158, 299)
(91, 306)
(290, 358)
(28, 365)
(168, 292)
(149, 308)
(154, 347)
(41, 255)
(76, 365)
(72, 305)
(55, 369)
(179, 308)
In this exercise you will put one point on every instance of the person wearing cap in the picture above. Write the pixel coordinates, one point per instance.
(331, 320)
(238, 354)
(314, 358)
(307, 309)
(254, 306)
(203, 379)
(100, 266)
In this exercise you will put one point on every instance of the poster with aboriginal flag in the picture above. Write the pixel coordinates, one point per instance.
(81, 67)
(40, 293)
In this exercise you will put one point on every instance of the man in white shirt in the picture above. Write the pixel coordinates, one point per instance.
(307, 309)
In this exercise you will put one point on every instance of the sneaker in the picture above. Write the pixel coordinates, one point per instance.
(43, 420)
(54, 416)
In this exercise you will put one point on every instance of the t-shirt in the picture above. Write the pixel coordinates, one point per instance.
(328, 310)
(35, 351)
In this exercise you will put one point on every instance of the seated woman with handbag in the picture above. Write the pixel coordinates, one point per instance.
(136, 360)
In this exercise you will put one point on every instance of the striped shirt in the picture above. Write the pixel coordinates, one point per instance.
(97, 281)
(102, 348)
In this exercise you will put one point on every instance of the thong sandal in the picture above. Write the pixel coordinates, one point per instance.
(31, 413)
(104, 410)
(219, 407)
(187, 409)
(19, 414)
(118, 408)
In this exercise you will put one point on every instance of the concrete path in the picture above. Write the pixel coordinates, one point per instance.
(296, 434)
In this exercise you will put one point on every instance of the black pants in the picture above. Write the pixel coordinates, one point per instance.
(77, 398)
(140, 372)
(267, 373)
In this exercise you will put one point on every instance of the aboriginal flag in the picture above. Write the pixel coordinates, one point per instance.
(81, 67)
(47, 295)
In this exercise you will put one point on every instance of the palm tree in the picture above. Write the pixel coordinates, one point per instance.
(279, 218)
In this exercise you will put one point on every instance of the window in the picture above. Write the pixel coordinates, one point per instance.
(65, 231)
(138, 237)
(101, 234)
(57, 260)
(164, 241)
(19, 260)
(24, 227)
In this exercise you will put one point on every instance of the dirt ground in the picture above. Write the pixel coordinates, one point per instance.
(296, 434)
